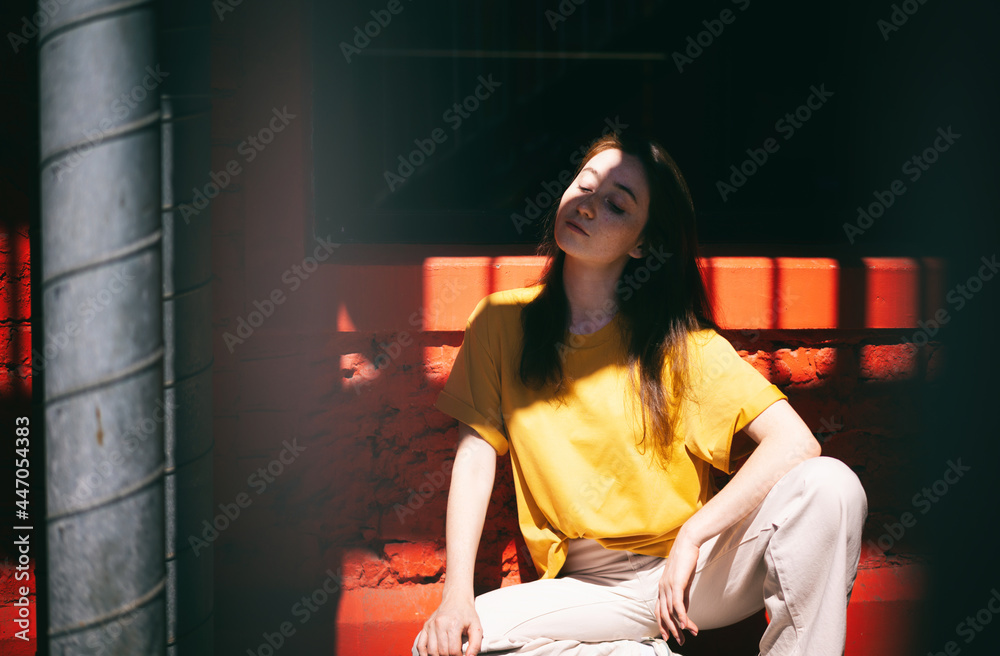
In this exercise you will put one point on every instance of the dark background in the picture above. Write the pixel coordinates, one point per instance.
(889, 98)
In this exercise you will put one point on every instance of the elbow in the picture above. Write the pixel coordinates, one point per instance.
(801, 446)
(813, 448)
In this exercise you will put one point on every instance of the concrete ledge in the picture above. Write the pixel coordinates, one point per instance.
(372, 621)
(884, 610)
(880, 616)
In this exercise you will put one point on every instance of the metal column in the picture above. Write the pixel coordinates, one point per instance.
(102, 282)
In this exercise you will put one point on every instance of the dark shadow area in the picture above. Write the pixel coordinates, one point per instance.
(713, 99)
(22, 316)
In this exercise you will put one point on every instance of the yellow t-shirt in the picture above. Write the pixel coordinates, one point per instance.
(577, 470)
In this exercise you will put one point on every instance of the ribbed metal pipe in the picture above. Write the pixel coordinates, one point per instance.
(187, 317)
(102, 280)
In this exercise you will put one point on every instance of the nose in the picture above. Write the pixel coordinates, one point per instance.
(585, 207)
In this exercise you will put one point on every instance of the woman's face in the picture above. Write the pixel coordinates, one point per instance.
(603, 212)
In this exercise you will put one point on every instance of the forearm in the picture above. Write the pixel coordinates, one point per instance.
(468, 497)
(772, 459)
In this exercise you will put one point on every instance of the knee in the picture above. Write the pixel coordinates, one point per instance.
(833, 486)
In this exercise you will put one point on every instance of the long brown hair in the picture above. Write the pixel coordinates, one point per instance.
(658, 313)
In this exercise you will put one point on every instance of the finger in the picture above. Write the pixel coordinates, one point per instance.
(432, 644)
(672, 613)
(667, 623)
(659, 618)
(454, 638)
(659, 615)
(660, 605)
(475, 640)
(673, 630)
(692, 627)
(686, 608)
(421, 643)
(680, 612)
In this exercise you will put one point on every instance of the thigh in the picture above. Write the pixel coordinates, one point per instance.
(564, 608)
(728, 585)
(732, 578)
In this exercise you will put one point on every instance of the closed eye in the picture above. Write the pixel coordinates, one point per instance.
(614, 208)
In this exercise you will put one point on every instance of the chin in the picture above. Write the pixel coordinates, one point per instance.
(562, 246)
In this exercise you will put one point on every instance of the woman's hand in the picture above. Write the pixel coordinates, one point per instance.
(675, 588)
(443, 631)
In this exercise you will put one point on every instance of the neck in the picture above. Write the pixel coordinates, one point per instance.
(590, 291)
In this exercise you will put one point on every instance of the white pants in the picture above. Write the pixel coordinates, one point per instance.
(796, 555)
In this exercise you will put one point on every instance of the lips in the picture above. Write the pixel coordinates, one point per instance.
(574, 226)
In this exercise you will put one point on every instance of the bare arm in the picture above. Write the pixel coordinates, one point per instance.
(468, 497)
(783, 441)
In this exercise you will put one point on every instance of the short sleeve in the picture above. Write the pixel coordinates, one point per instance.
(472, 392)
(725, 394)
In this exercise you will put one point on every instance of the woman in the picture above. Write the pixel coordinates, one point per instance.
(615, 396)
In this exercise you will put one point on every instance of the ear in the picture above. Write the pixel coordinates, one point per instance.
(639, 251)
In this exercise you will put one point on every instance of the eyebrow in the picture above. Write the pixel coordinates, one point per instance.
(617, 184)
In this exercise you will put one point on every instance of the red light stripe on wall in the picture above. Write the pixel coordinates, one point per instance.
(749, 292)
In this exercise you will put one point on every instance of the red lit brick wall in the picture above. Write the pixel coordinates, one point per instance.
(18, 125)
(15, 297)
